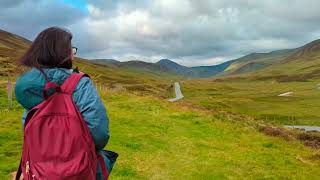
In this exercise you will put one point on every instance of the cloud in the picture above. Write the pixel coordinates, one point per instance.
(28, 18)
(9, 3)
(199, 32)
(191, 32)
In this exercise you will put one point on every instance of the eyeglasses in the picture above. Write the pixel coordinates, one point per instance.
(74, 50)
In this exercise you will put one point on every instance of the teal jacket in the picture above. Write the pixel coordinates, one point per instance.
(28, 91)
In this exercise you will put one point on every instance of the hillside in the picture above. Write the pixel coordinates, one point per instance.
(209, 71)
(11, 44)
(175, 67)
(308, 52)
(146, 66)
(162, 67)
(11, 47)
(166, 66)
(256, 61)
(302, 65)
(249, 63)
(106, 61)
(140, 67)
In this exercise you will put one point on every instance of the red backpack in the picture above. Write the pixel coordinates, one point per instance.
(57, 142)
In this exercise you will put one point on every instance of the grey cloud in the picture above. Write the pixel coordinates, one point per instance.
(9, 3)
(28, 18)
(191, 31)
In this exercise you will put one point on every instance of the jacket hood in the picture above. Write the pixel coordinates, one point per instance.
(29, 86)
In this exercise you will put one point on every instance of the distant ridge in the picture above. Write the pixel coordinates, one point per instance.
(310, 51)
(300, 65)
(175, 67)
(303, 61)
(106, 60)
(249, 63)
(168, 66)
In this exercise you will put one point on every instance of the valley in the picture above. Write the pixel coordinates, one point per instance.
(229, 125)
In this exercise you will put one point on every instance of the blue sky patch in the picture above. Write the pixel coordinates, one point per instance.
(79, 4)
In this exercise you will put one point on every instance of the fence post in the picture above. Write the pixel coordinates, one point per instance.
(9, 91)
(104, 87)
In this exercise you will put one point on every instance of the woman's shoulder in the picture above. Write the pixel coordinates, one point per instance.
(29, 79)
(28, 88)
(27, 74)
(85, 83)
(85, 93)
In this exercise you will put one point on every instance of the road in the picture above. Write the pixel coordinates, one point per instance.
(305, 128)
(179, 94)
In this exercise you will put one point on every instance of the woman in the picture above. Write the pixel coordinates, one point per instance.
(50, 59)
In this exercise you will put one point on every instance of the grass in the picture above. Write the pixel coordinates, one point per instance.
(10, 135)
(259, 99)
(160, 140)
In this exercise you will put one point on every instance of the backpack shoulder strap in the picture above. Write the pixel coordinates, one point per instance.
(71, 82)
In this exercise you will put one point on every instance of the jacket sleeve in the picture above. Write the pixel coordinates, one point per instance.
(93, 111)
(24, 116)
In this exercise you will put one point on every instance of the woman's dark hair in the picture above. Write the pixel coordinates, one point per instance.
(51, 48)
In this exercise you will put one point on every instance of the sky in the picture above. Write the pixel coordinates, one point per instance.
(190, 32)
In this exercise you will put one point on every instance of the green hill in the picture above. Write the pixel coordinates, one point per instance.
(163, 67)
(11, 47)
(308, 52)
(250, 63)
(300, 64)
(256, 61)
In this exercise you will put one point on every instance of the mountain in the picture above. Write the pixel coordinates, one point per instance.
(141, 65)
(256, 61)
(300, 64)
(107, 61)
(209, 71)
(249, 63)
(171, 67)
(308, 52)
(245, 64)
(164, 66)
(136, 65)
(175, 67)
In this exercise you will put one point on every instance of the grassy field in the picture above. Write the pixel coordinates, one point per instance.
(259, 99)
(160, 140)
